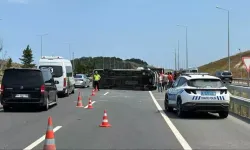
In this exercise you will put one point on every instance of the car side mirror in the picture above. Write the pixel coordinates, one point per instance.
(56, 82)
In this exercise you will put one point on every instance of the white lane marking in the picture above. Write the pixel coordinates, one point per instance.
(106, 93)
(34, 144)
(91, 103)
(177, 134)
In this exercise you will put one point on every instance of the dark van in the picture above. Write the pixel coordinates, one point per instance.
(225, 76)
(23, 87)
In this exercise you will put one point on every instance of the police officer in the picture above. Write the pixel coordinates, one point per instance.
(97, 78)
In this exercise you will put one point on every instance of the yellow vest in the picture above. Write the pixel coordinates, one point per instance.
(97, 77)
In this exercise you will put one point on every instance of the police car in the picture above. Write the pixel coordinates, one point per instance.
(198, 92)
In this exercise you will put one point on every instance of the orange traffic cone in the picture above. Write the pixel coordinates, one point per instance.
(90, 104)
(79, 100)
(93, 93)
(105, 122)
(49, 143)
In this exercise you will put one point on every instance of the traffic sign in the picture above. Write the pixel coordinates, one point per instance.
(246, 61)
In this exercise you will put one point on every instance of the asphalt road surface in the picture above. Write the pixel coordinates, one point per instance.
(137, 119)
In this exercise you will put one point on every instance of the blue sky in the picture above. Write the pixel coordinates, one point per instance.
(143, 29)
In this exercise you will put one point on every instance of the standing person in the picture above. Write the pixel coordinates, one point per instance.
(160, 78)
(175, 75)
(97, 78)
(170, 80)
(165, 81)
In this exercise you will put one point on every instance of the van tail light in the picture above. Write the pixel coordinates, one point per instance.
(42, 88)
(1, 89)
(64, 82)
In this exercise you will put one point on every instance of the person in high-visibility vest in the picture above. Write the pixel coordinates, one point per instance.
(97, 79)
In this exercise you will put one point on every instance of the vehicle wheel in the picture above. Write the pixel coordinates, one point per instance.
(46, 107)
(179, 109)
(6, 108)
(67, 94)
(223, 114)
(167, 108)
(85, 85)
(56, 99)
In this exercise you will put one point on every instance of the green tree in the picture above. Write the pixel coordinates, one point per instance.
(9, 63)
(27, 58)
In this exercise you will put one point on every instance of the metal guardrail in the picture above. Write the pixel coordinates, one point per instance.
(239, 91)
(241, 81)
(239, 100)
(240, 106)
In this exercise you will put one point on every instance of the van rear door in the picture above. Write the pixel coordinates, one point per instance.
(22, 84)
(57, 72)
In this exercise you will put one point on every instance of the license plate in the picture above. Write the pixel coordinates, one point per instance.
(22, 96)
(208, 93)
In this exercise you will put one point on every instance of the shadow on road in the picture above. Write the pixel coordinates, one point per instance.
(192, 116)
(247, 120)
(125, 89)
(25, 110)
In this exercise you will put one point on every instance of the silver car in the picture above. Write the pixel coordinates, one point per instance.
(81, 80)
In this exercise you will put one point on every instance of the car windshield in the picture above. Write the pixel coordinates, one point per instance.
(205, 83)
(227, 73)
(193, 71)
(57, 71)
(78, 76)
(22, 77)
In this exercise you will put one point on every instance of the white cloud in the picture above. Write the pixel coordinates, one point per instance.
(19, 1)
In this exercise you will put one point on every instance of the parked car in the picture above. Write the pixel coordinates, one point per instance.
(81, 80)
(25, 87)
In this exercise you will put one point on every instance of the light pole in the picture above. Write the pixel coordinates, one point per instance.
(186, 43)
(175, 60)
(41, 36)
(178, 56)
(103, 62)
(240, 61)
(228, 35)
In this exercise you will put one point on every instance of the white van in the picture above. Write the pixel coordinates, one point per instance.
(62, 72)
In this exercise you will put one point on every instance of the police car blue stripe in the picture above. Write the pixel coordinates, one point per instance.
(199, 98)
(223, 97)
(193, 98)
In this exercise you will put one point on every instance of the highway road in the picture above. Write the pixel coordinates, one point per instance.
(137, 119)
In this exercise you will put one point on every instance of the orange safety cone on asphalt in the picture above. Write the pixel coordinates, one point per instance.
(105, 122)
(49, 143)
(93, 93)
(90, 104)
(79, 100)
